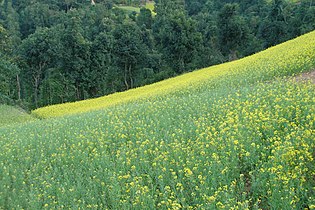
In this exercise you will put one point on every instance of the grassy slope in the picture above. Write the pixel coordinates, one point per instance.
(130, 8)
(149, 6)
(10, 115)
(213, 139)
(291, 57)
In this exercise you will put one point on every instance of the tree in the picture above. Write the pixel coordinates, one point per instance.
(233, 32)
(9, 42)
(166, 7)
(8, 85)
(92, 20)
(3, 39)
(302, 18)
(177, 39)
(38, 15)
(308, 20)
(194, 6)
(129, 50)
(144, 19)
(39, 52)
(68, 5)
(56, 88)
(210, 53)
(101, 64)
(273, 29)
(12, 29)
(76, 55)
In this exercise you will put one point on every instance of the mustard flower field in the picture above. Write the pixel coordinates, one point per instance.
(239, 135)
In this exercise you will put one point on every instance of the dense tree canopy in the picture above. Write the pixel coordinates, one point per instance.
(54, 51)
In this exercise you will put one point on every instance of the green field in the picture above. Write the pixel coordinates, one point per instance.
(240, 135)
(130, 8)
(149, 6)
(10, 115)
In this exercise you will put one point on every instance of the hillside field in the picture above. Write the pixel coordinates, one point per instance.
(240, 135)
(130, 9)
(10, 115)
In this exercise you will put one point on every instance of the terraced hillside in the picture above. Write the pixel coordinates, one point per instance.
(235, 136)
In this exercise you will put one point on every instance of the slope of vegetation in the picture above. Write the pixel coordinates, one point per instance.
(288, 58)
(226, 139)
(130, 8)
(10, 115)
(149, 6)
(53, 52)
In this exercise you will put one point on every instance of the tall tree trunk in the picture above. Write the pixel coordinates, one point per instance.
(130, 77)
(125, 77)
(182, 65)
(18, 86)
(50, 94)
(232, 55)
(37, 80)
(36, 84)
(77, 91)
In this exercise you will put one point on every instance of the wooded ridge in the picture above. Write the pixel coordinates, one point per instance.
(59, 51)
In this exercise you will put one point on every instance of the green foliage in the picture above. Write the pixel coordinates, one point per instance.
(104, 78)
(177, 39)
(130, 50)
(76, 55)
(35, 16)
(8, 76)
(39, 52)
(11, 30)
(3, 37)
(174, 37)
(145, 18)
(233, 31)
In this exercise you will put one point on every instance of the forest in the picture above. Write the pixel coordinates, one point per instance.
(57, 51)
